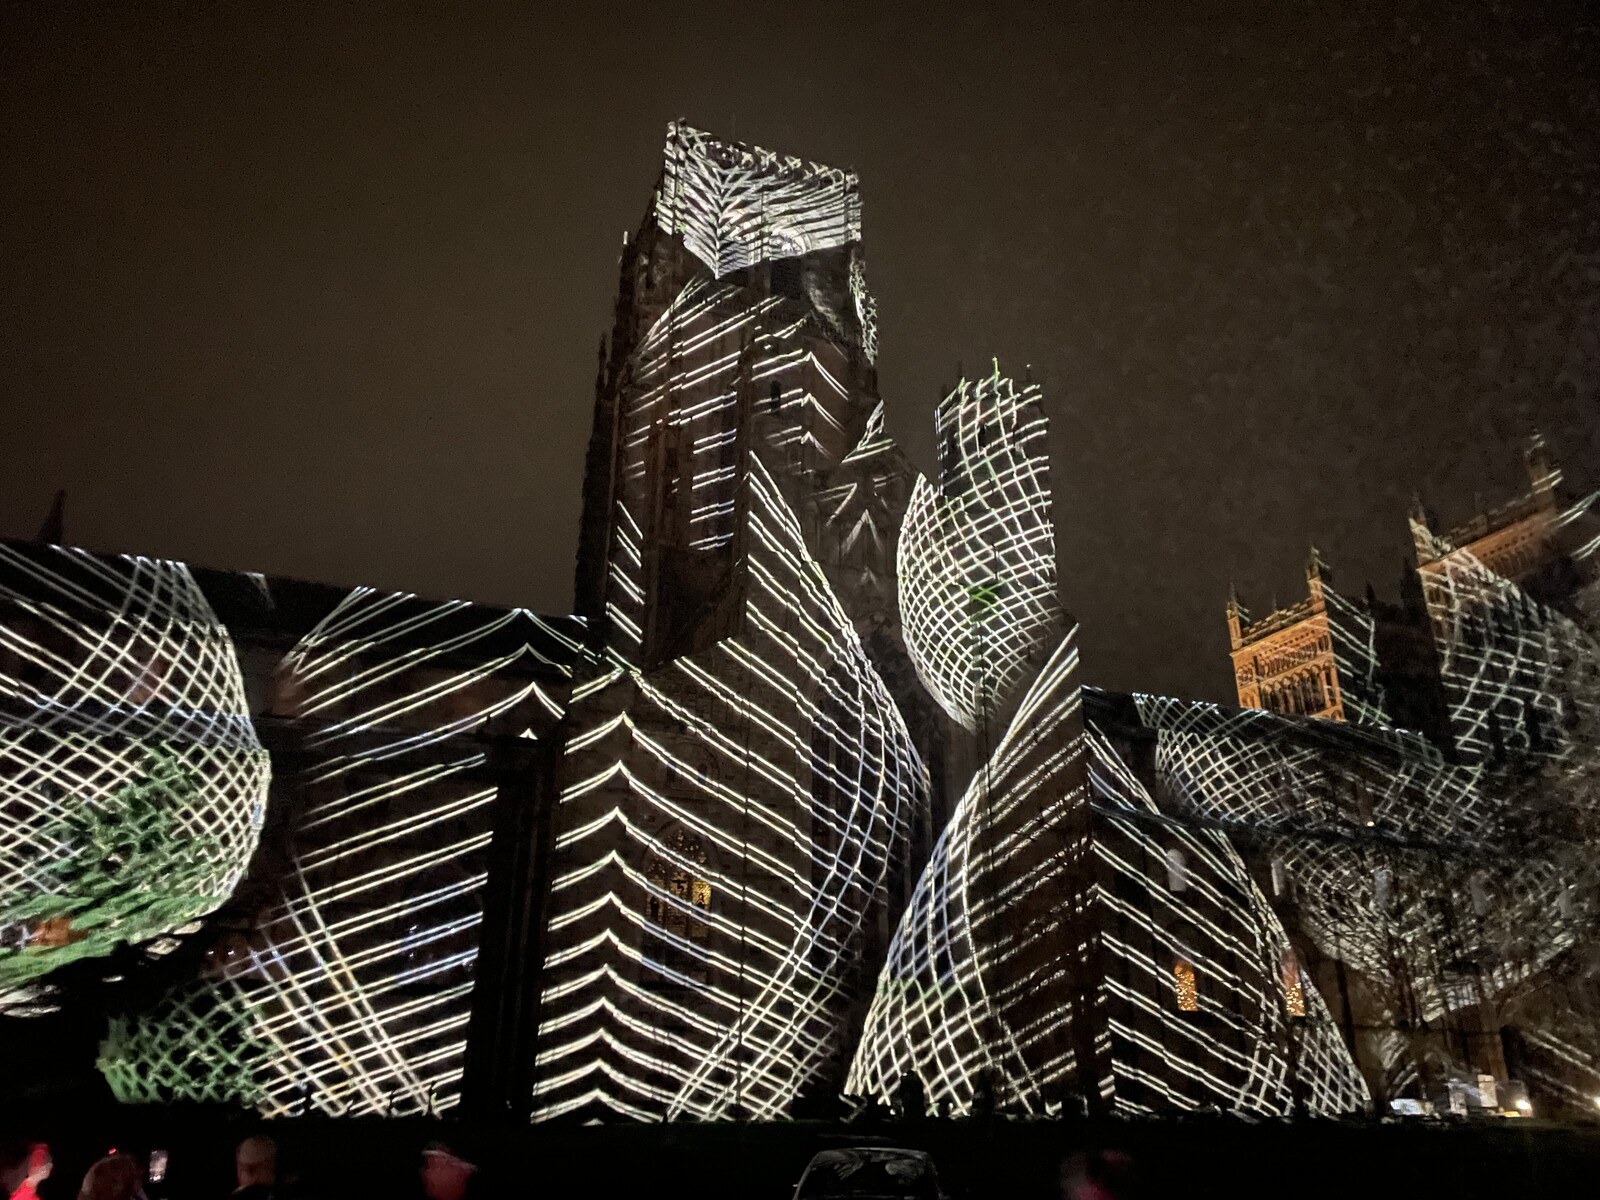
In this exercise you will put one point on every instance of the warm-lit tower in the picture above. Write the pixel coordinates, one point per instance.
(1316, 658)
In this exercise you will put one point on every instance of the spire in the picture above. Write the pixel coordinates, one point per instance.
(1317, 573)
(1237, 617)
(1316, 566)
(1543, 475)
(1419, 511)
(1421, 525)
(53, 531)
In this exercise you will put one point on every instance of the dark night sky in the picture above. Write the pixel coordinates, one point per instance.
(320, 295)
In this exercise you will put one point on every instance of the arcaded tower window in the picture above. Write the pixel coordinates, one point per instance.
(1184, 987)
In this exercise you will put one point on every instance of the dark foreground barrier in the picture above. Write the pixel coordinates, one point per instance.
(1180, 1159)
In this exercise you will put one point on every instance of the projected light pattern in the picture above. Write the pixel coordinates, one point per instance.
(356, 978)
(862, 505)
(1047, 958)
(1401, 863)
(735, 206)
(777, 756)
(1286, 775)
(1501, 656)
(729, 858)
(738, 783)
(722, 363)
(1353, 635)
(1067, 945)
(980, 990)
(1317, 658)
(198, 1044)
(131, 780)
(680, 447)
(1557, 1057)
(977, 571)
(1179, 894)
(866, 309)
(1457, 884)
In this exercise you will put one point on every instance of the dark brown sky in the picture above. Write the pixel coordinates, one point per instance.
(318, 294)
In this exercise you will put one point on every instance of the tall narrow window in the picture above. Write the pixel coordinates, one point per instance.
(1294, 995)
(1281, 883)
(1177, 870)
(678, 895)
(1184, 986)
(1478, 887)
(1567, 902)
(1363, 801)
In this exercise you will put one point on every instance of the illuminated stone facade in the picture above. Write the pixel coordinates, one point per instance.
(1286, 662)
(739, 787)
(341, 976)
(1435, 859)
(1412, 664)
(808, 798)
(1068, 948)
(1519, 541)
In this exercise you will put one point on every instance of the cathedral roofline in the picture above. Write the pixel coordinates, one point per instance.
(736, 205)
(728, 152)
(1540, 499)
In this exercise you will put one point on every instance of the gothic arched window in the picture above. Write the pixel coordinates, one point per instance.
(679, 894)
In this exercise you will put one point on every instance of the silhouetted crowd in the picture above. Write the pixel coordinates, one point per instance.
(28, 1172)
(444, 1170)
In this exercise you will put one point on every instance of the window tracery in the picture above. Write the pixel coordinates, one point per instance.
(679, 894)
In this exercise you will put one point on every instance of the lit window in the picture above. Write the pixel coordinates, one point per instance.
(1183, 985)
(1294, 996)
(680, 880)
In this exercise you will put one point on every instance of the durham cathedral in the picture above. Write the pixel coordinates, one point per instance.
(1298, 660)
(806, 807)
